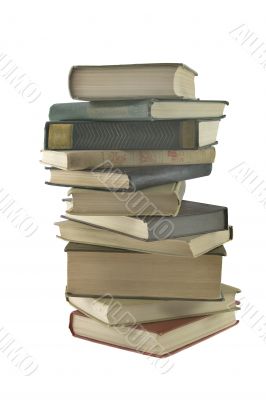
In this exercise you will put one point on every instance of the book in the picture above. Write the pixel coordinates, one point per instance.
(192, 219)
(137, 110)
(192, 246)
(96, 271)
(137, 81)
(130, 135)
(86, 159)
(127, 179)
(164, 200)
(158, 339)
(123, 311)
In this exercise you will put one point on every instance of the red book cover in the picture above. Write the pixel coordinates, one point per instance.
(160, 328)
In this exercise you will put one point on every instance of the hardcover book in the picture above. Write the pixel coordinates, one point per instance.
(94, 271)
(164, 200)
(85, 159)
(137, 110)
(135, 81)
(193, 219)
(123, 311)
(192, 246)
(130, 135)
(129, 179)
(158, 339)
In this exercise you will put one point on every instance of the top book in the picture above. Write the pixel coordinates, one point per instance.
(136, 81)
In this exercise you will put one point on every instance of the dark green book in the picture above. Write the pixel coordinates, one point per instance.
(193, 219)
(133, 110)
(131, 135)
(127, 179)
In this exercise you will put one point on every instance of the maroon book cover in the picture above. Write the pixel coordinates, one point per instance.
(160, 328)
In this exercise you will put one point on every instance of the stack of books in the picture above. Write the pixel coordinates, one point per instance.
(143, 265)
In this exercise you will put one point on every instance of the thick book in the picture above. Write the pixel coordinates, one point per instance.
(158, 339)
(86, 159)
(131, 81)
(137, 110)
(130, 135)
(96, 271)
(190, 246)
(164, 200)
(123, 311)
(127, 179)
(193, 219)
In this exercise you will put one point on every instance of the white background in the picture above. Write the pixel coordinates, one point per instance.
(45, 39)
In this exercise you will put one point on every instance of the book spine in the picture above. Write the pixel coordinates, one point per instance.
(79, 160)
(94, 308)
(102, 110)
(122, 135)
(70, 88)
(179, 192)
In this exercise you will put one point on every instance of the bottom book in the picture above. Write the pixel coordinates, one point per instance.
(158, 339)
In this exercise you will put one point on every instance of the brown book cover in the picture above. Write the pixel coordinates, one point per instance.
(159, 327)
